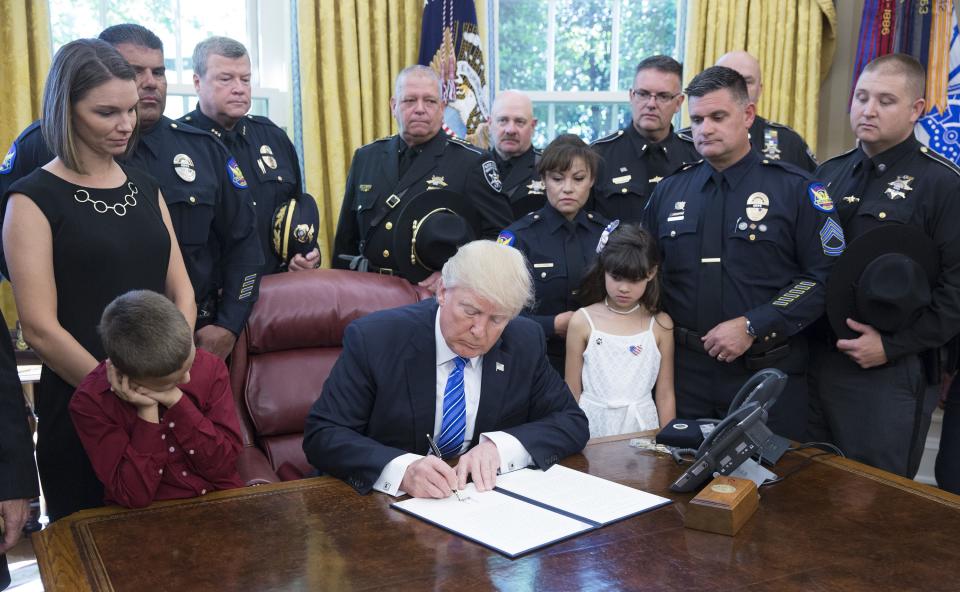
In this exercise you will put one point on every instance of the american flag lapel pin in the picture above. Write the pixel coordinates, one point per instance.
(499, 367)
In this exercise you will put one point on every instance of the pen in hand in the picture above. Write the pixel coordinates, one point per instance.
(436, 452)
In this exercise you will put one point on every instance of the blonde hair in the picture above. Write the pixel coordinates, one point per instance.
(496, 272)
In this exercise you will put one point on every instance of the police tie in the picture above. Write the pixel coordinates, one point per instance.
(454, 423)
(861, 180)
(573, 253)
(407, 156)
(709, 296)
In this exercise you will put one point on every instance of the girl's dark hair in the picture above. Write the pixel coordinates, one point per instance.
(562, 151)
(631, 253)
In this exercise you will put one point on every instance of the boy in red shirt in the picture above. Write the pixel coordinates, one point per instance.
(157, 418)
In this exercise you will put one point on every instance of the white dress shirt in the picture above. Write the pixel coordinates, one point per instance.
(513, 455)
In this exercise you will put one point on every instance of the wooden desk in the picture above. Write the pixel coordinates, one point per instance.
(834, 525)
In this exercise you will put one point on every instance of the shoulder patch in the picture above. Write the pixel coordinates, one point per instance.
(608, 138)
(236, 175)
(9, 159)
(492, 175)
(928, 152)
(464, 144)
(507, 238)
(819, 197)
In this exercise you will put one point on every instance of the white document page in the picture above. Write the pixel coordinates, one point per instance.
(579, 493)
(493, 519)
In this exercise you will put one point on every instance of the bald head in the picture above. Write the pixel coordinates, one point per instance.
(512, 123)
(748, 67)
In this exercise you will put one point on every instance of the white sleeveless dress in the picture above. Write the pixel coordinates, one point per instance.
(619, 372)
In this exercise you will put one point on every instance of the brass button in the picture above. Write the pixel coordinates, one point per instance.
(753, 237)
(590, 216)
(543, 274)
(386, 253)
(673, 233)
(193, 199)
(624, 190)
(173, 125)
(883, 215)
(389, 225)
(774, 335)
(254, 203)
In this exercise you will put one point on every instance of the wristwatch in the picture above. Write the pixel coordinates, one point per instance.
(750, 330)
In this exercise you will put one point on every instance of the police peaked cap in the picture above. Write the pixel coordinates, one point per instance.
(430, 228)
(295, 225)
(884, 279)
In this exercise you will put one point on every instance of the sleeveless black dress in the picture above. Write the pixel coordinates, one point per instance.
(105, 242)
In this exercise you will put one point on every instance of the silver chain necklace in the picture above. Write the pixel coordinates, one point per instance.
(620, 312)
(101, 207)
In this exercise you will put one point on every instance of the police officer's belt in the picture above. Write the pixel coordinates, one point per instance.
(760, 355)
(361, 263)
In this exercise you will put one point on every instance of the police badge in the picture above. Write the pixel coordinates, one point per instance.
(184, 168)
(899, 187)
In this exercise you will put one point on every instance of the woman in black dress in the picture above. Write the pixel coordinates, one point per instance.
(77, 233)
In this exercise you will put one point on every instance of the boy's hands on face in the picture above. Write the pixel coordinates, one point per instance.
(126, 391)
(167, 398)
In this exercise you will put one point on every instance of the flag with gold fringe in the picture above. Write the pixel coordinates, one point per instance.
(450, 44)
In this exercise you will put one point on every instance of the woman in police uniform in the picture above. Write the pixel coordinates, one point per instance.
(560, 239)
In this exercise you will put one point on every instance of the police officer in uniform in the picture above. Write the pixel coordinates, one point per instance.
(221, 77)
(511, 132)
(560, 239)
(206, 195)
(637, 157)
(774, 141)
(389, 171)
(877, 391)
(747, 244)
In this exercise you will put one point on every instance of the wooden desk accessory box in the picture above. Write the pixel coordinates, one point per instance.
(723, 506)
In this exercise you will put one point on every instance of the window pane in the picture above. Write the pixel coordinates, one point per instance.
(230, 20)
(589, 121)
(73, 19)
(647, 28)
(540, 136)
(522, 54)
(583, 45)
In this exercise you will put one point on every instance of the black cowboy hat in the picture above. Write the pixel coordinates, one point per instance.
(884, 279)
(295, 225)
(429, 229)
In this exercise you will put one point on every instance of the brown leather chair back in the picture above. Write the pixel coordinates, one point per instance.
(288, 347)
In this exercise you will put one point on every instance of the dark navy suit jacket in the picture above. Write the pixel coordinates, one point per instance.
(379, 401)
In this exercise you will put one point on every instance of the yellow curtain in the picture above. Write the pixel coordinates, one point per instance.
(24, 61)
(794, 40)
(350, 52)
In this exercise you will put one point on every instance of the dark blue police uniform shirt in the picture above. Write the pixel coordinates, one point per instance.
(780, 236)
(212, 214)
(907, 184)
(541, 237)
(270, 167)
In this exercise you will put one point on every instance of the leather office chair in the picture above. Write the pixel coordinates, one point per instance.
(285, 353)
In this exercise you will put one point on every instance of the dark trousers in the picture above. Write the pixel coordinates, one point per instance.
(705, 387)
(4, 572)
(948, 459)
(66, 476)
(878, 416)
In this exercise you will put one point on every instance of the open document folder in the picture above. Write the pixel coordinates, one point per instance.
(530, 509)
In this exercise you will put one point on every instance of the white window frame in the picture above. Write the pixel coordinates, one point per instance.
(619, 100)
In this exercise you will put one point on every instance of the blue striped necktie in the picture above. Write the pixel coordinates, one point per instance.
(454, 423)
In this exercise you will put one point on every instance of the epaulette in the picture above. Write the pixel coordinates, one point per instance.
(35, 126)
(780, 125)
(685, 166)
(463, 143)
(787, 166)
(608, 138)
(189, 129)
(537, 152)
(378, 140)
(936, 156)
(261, 120)
(841, 155)
(685, 135)
(529, 219)
(596, 218)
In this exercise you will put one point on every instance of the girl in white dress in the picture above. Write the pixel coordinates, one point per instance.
(620, 347)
